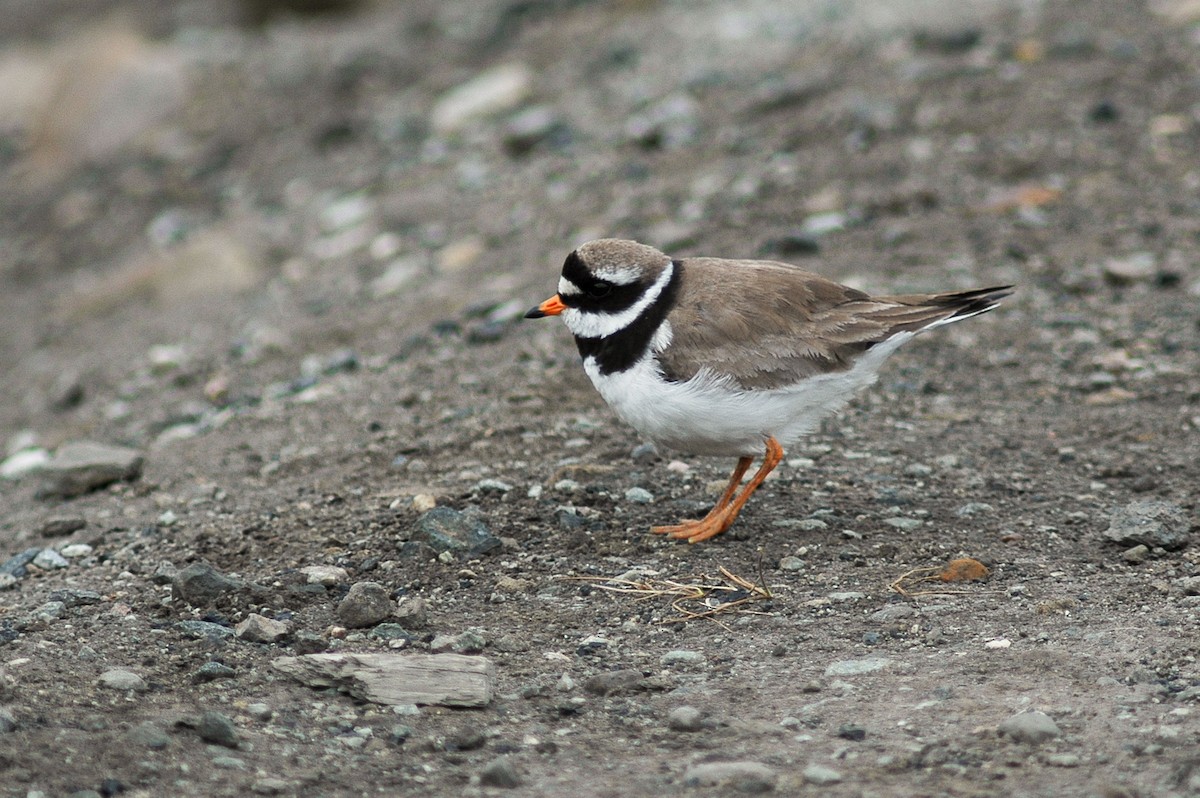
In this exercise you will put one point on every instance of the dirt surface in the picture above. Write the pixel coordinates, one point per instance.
(279, 262)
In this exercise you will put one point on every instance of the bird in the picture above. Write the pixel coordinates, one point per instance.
(732, 358)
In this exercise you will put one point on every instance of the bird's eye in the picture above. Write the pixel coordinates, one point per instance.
(599, 289)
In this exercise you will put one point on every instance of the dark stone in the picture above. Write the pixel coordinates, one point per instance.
(61, 526)
(199, 584)
(447, 529)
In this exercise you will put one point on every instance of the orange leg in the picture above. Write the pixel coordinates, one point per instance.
(722, 516)
(735, 480)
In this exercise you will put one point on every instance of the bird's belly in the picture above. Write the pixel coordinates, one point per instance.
(707, 415)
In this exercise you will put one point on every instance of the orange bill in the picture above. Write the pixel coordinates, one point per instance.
(551, 307)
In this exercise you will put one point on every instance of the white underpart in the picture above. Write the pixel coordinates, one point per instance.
(710, 415)
(598, 325)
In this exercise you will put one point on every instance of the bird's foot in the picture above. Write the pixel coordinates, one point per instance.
(696, 531)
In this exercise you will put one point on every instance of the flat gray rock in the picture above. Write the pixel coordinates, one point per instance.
(855, 667)
(451, 680)
(82, 466)
(744, 776)
(1030, 727)
(1150, 523)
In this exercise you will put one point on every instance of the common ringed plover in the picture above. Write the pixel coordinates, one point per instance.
(733, 358)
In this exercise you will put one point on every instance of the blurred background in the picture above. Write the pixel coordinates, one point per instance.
(236, 193)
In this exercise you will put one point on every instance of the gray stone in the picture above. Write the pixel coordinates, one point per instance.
(1030, 727)
(256, 628)
(366, 604)
(500, 773)
(327, 575)
(216, 728)
(974, 508)
(211, 671)
(821, 775)
(685, 719)
(498, 89)
(82, 466)
(147, 735)
(447, 529)
(892, 612)
(413, 613)
(533, 126)
(1150, 523)
(8, 721)
(49, 560)
(1136, 554)
(743, 776)
(791, 563)
(1132, 268)
(204, 630)
(683, 658)
(639, 496)
(121, 679)
(612, 682)
(61, 526)
(200, 585)
(15, 566)
(471, 641)
(856, 667)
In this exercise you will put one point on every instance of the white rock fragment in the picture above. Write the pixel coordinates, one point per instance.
(498, 89)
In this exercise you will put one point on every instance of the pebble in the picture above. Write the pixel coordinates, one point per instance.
(892, 612)
(625, 680)
(685, 719)
(49, 559)
(639, 496)
(255, 628)
(199, 584)
(214, 727)
(856, 667)
(904, 524)
(8, 721)
(211, 671)
(644, 453)
(327, 575)
(498, 89)
(82, 466)
(492, 486)
(1135, 555)
(148, 735)
(846, 595)
(1064, 760)
(76, 596)
(791, 563)
(500, 772)
(471, 641)
(74, 551)
(740, 776)
(974, 508)
(683, 658)
(1030, 727)
(204, 630)
(121, 679)
(447, 529)
(669, 124)
(821, 775)
(567, 486)
(1132, 268)
(1150, 523)
(15, 566)
(7, 582)
(527, 129)
(61, 526)
(26, 461)
(366, 604)
(413, 613)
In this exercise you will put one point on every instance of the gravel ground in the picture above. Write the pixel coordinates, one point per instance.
(269, 409)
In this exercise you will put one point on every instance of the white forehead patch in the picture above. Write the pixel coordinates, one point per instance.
(568, 288)
(617, 275)
(601, 324)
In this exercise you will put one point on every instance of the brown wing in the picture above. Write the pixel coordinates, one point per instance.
(767, 325)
